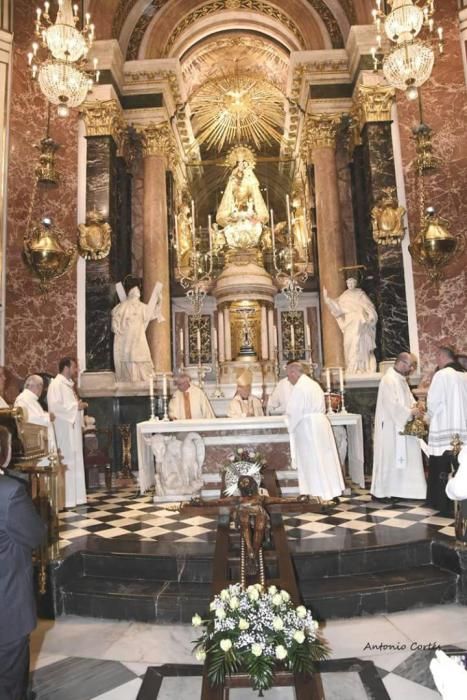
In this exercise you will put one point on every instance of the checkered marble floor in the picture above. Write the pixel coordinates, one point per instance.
(126, 515)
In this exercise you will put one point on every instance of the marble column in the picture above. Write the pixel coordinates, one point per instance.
(108, 191)
(157, 147)
(322, 131)
(373, 173)
(6, 39)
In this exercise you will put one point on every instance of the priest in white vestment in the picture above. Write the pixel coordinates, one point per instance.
(63, 401)
(277, 402)
(397, 459)
(244, 404)
(311, 438)
(447, 414)
(189, 401)
(29, 401)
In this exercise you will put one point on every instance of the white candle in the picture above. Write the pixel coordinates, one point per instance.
(181, 342)
(151, 386)
(273, 240)
(209, 232)
(292, 337)
(289, 223)
(164, 386)
(341, 379)
(214, 339)
(328, 379)
(193, 229)
(276, 339)
(308, 337)
(176, 235)
(198, 341)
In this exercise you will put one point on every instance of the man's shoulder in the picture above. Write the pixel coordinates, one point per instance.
(9, 485)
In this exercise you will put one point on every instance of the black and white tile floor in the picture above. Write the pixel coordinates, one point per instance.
(88, 659)
(128, 516)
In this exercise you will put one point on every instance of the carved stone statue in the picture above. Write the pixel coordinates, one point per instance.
(178, 464)
(130, 319)
(357, 318)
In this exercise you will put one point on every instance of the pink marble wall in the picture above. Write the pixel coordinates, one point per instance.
(441, 312)
(39, 329)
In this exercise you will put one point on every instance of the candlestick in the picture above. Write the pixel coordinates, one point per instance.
(341, 379)
(287, 203)
(151, 385)
(328, 379)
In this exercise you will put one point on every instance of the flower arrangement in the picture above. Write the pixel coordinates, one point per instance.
(253, 629)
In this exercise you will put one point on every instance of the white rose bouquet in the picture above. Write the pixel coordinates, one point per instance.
(255, 629)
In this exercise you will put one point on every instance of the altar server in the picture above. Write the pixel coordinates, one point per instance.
(189, 401)
(63, 401)
(447, 413)
(244, 404)
(397, 459)
(311, 439)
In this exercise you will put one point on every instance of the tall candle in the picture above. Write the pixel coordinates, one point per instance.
(198, 341)
(273, 239)
(164, 386)
(181, 342)
(289, 223)
(292, 338)
(193, 229)
(328, 379)
(308, 337)
(341, 379)
(151, 386)
(209, 232)
(214, 340)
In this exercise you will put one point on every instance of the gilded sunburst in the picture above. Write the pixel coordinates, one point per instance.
(237, 108)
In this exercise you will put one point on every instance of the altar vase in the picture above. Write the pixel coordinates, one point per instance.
(397, 459)
(311, 438)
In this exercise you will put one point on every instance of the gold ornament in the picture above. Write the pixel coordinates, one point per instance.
(45, 253)
(94, 240)
(387, 219)
(322, 130)
(374, 103)
(434, 246)
(45, 171)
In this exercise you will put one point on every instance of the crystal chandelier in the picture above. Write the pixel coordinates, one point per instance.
(409, 63)
(58, 59)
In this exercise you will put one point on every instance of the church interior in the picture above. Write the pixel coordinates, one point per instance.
(233, 335)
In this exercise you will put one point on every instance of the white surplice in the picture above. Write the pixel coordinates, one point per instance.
(62, 400)
(29, 401)
(312, 441)
(397, 459)
(199, 404)
(447, 409)
(277, 402)
(242, 408)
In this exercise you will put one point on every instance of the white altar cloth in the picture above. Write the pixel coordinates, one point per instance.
(252, 432)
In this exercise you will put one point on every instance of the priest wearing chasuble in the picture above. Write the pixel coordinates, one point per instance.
(397, 459)
(311, 439)
(244, 404)
(189, 401)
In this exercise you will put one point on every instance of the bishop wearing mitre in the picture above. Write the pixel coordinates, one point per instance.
(244, 404)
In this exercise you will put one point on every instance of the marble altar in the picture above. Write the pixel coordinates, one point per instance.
(267, 433)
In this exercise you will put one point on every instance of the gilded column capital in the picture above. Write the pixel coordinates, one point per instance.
(374, 102)
(322, 130)
(157, 140)
(105, 119)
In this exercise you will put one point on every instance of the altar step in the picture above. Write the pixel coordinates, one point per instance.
(167, 589)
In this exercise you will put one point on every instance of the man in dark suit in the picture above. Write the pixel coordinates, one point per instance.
(21, 530)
